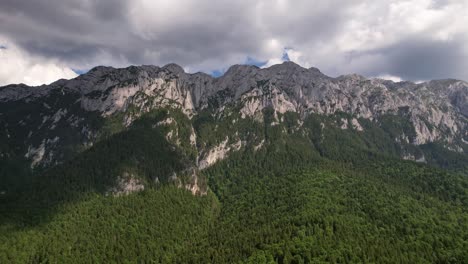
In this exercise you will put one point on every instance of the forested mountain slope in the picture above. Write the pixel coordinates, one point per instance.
(283, 164)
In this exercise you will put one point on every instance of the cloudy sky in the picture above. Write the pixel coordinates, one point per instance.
(44, 40)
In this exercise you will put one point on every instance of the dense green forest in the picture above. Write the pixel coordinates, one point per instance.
(301, 198)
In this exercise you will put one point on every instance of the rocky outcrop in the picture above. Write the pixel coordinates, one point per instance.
(42, 154)
(257, 99)
(218, 152)
(35, 154)
(356, 125)
(126, 184)
(194, 186)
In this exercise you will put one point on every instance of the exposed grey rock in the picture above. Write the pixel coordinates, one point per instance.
(214, 154)
(126, 184)
(438, 110)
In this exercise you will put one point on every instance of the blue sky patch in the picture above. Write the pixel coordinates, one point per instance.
(285, 56)
(80, 71)
(217, 73)
(248, 61)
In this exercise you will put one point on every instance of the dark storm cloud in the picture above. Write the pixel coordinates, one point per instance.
(66, 30)
(416, 59)
(210, 35)
(74, 31)
(109, 9)
(305, 21)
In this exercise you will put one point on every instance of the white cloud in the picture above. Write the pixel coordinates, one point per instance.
(19, 67)
(375, 34)
(390, 77)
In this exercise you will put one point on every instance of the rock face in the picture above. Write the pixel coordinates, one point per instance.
(126, 185)
(436, 110)
(218, 152)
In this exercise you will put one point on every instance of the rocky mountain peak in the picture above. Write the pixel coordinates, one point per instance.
(287, 66)
(98, 70)
(240, 70)
(174, 68)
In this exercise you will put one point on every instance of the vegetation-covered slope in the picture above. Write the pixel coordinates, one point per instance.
(322, 196)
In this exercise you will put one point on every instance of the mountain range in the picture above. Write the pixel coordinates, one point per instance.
(281, 164)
